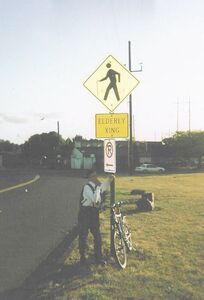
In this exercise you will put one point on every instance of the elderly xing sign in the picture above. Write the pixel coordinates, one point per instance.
(111, 83)
(110, 156)
(111, 125)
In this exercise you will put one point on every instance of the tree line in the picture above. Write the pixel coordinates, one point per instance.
(185, 145)
(181, 146)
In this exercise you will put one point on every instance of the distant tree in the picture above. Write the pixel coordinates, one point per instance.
(184, 145)
(78, 138)
(67, 147)
(68, 141)
(45, 144)
(7, 146)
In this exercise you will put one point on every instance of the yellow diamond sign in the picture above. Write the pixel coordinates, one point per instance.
(111, 83)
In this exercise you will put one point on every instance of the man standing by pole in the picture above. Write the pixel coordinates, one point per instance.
(88, 218)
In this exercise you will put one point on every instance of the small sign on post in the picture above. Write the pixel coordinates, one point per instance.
(109, 156)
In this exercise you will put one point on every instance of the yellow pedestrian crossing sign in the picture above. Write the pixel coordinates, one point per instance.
(111, 83)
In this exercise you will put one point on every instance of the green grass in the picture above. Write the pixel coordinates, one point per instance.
(169, 242)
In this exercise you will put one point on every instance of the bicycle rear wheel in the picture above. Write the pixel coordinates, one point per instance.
(119, 248)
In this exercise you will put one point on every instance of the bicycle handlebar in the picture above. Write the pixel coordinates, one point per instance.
(117, 204)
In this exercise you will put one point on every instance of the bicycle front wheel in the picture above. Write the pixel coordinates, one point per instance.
(128, 238)
(119, 248)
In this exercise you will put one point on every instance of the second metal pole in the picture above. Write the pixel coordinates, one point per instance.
(130, 161)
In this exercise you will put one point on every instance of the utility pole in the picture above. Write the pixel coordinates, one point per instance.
(130, 117)
(133, 127)
(58, 130)
(130, 154)
(189, 115)
(177, 121)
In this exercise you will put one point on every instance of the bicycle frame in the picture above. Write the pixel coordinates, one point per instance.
(122, 235)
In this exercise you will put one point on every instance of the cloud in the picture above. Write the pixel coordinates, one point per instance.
(21, 119)
(50, 115)
(12, 118)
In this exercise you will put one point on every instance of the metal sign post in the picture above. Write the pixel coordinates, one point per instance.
(110, 167)
(112, 201)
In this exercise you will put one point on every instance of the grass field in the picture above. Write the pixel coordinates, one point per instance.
(168, 262)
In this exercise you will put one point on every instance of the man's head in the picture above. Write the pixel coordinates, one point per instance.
(91, 174)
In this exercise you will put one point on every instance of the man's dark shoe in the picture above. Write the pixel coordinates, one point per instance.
(83, 260)
(101, 262)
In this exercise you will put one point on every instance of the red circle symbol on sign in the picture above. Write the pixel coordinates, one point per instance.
(109, 150)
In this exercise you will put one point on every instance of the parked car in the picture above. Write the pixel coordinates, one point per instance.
(149, 168)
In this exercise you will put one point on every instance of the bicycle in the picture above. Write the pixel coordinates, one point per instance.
(122, 241)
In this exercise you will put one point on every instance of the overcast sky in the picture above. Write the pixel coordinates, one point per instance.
(50, 47)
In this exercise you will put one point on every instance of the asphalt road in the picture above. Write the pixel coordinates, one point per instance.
(34, 219)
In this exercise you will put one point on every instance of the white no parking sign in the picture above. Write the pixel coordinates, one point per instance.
(110, 156)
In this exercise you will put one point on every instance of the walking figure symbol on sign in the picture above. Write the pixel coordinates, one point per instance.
(111, 74)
